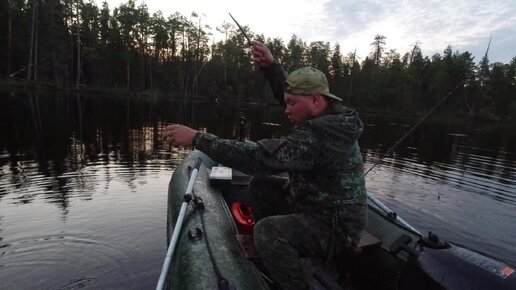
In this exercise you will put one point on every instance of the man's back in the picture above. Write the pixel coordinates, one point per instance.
(333, 188)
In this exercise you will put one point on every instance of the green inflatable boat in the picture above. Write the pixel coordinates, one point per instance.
(214, 248)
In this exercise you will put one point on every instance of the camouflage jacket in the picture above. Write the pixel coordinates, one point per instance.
(322, 158)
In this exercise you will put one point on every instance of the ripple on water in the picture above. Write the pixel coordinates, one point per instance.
(468, 198)
(77, 257)
(107, 239)
(481, 175)
(77, 283)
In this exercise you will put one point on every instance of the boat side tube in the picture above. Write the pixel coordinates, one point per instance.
(390, 214)
(456, 268)
(192, 268)
(434, 264)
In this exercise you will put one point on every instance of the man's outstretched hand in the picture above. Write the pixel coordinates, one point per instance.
(178, 135)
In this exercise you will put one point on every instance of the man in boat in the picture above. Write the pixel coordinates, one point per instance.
(321, 209)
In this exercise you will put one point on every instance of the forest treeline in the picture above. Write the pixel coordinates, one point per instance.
(77, 44)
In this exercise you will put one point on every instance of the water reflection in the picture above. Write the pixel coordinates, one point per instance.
(44, 138)
(473, 158)
(100, 163)
(458, 180)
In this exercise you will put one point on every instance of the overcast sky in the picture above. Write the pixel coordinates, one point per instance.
(466, 25)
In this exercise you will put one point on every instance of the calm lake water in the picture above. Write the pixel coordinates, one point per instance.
(83, 183)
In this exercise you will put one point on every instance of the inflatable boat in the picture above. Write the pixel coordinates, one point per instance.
(215, 248)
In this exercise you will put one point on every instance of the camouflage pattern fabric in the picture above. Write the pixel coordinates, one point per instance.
(281, 237)
(325, 199)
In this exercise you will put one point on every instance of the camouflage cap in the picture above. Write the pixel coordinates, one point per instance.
(306, 81)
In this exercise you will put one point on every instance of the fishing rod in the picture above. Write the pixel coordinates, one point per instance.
(177, 229)
(424, 117)
(376, 201)
(241, 30)
(414, 127)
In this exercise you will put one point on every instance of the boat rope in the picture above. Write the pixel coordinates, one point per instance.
(222, 283)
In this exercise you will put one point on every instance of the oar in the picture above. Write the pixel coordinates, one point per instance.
(177, 229)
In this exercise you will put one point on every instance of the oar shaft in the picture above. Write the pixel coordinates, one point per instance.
(178, 226)
(171, 247)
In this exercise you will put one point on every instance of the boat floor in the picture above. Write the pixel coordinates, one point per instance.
(319, 276)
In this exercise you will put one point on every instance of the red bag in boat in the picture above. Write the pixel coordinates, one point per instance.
(243, 218)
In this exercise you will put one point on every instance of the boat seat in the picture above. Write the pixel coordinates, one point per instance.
(366, 241)
(327, 276)
(317, 274)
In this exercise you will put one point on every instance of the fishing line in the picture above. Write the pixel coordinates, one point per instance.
(428, 114)
(413, 127)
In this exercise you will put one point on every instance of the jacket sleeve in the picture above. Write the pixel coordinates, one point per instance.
(297, 151)
(276, 77)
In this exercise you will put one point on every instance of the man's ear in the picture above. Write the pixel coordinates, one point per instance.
(316, 98)
(319, 102)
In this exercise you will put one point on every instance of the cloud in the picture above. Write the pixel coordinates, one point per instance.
(435, 24)
(466, 25)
